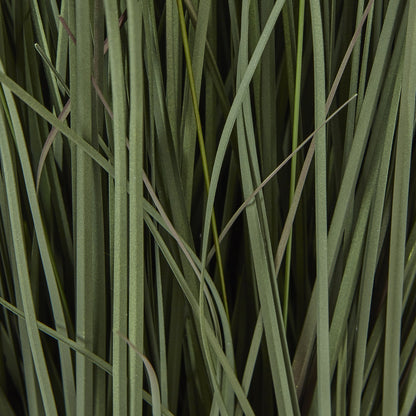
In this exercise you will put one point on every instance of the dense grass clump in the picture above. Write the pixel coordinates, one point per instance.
(207, 207)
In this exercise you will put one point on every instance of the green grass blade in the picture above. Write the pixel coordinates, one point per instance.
(322, 311)
(120, 376)
(59, 305)
(231, 118)
(371, 254)
(192, 82)
(350, 176)
(263, 266)
(85, 207)
(136, 229)
(154, 385)
(295, 131)
(52, 119)
(398, 224)
(23, 272)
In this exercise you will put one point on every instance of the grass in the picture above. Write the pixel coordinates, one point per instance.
(207, 207)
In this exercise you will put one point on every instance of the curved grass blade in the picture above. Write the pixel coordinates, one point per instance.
(229, 372)
(269, 177)
(154, 384)
(49, 141)
(53, 120)
(56, 296)
(201, 138)
(76, 346)
(23, 271)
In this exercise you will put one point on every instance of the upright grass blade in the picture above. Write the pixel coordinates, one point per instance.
(154, 385)
(268, 145)
(119, 351)
(167, 168)
(290, 47)
(295, 130)
(262, 261)
(228, 370)
(33, 397)
(355, 62)
(365, 118)
(398, 224)
(174, 74)
(136, 229)
(370, 258)
(192, 91)
(57, 299)
(202, 145)
(23, 272)
(101, 282)
(86, 248)
(322, 312)
(188, 254)
(218, 400)
(89, 250)
(231, 118)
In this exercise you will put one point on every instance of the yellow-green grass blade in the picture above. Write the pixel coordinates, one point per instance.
(231, 118)
(191, 95)
(174, 71)
(295, 132)
(192, 82)
(238, 78)
(410, 392)
(167, 168)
